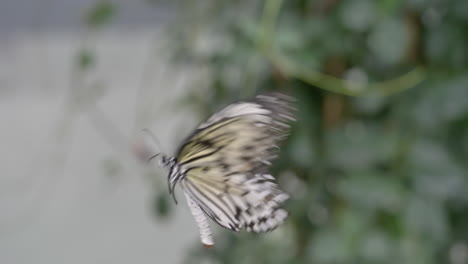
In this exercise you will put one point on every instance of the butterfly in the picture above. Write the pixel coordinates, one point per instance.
(222, 166)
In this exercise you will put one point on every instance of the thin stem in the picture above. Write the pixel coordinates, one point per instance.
(340, 86)
(265, 44)
(268, 22)
(263, 41)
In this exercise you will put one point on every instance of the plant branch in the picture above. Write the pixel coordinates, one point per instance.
(265, 44)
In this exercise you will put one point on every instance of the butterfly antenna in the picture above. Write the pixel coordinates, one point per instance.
(155, 140)
(152, 157)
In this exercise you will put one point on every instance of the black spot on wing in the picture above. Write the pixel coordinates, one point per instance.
(248, 148)
(225, 166)
(238, 213)
(245, 158)
(205, 143)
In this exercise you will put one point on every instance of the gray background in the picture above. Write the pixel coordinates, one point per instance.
(58, 201)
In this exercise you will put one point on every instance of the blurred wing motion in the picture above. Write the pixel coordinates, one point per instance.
(225, 163)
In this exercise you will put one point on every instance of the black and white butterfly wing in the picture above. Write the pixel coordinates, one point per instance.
(225, 162)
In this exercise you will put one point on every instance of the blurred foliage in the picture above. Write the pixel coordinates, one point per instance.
(378, 178)
(86, 59)
(100, 14)
(377, 165)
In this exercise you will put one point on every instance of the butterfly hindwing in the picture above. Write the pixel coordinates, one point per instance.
(251, 203)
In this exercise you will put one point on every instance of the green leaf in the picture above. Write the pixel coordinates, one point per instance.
(100, 14)
(389, 40)
(360, 146)
(372, 191)
(435, 174)
(377, 247)
(328, 246)
(442, 102)
(86, 59)
(162, 206)
(427, 219)
(358, 15)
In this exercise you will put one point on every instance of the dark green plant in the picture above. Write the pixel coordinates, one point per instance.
(377, 163)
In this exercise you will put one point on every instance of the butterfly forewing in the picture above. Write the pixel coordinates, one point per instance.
(226, 160)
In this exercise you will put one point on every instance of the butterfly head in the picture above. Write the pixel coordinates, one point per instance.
(165, 161)
(174, 172)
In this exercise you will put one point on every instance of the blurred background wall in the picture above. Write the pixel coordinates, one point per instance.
(69, 191)
(376, 165)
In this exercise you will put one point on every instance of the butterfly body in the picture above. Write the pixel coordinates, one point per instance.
(222, 166)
